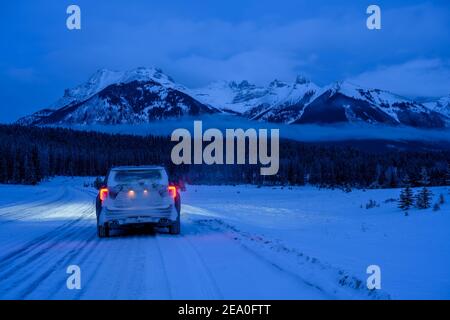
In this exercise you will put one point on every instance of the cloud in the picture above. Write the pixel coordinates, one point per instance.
(199, 50)
(21, 74)
(421, 77)
(258, 67)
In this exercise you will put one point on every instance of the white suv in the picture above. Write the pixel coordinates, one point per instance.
(138, 195)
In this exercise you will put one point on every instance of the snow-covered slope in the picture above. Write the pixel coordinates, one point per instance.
(346, 102)
(290, 102)
(104, 77)
(128, 103)
(146, 94)
(239, 242)
(277, 102)
(230, 96)
(110, 97)
(441, 105)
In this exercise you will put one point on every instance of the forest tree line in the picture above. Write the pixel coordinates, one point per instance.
(31, 154)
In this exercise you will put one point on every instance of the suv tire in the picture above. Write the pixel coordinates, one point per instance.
(175, 228)
(103, 231)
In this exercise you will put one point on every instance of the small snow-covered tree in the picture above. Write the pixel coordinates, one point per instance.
(423, 198)
(406, 198)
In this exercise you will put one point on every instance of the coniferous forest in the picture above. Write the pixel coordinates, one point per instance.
(31, 154)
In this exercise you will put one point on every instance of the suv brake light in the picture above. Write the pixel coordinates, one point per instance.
(172, 191)
(103, 194)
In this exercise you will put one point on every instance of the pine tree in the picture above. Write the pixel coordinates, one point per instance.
(406, 198)
(423, 199)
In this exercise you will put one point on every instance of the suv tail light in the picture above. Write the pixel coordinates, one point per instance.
(103, 194)
(172, 191)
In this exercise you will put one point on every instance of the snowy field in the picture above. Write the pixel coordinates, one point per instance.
(238, 242)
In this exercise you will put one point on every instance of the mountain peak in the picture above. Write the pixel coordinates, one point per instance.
(344, 84)
(143, 73)
(300, 79)
(277, 84)
(244, 84)
(103, 78)
(344, 87)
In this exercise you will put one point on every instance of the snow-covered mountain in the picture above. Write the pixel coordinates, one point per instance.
(104, 77)
(288, 103)
(346, 102)
(304, 102)
(278, 102)
(147, 94)
(110, 97)
(256, 102)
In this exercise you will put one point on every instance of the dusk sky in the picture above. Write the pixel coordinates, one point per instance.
(197, 42)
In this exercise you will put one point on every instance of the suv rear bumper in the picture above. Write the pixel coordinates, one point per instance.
(162, 216)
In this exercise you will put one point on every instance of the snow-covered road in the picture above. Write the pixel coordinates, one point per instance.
(45, 229)
(41, 238)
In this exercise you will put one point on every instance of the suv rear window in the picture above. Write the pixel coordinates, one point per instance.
(133, 176)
